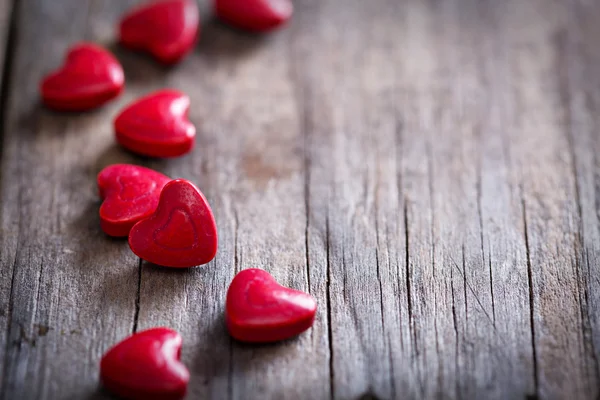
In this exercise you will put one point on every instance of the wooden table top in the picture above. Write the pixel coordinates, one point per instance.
(426, 169)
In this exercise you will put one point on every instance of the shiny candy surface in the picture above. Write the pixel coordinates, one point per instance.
(90, 77)
(166, 29)
(156, 125)
(258, 309)
(146, 366)
(182, 231)
(130, 193)
(254, 15)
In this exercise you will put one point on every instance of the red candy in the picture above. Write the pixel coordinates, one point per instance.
(182, 231)
(156, 125)
(166, 29)
(258, 309)
(146, 366)
(90, 77)
(130, 193)
(254, 15)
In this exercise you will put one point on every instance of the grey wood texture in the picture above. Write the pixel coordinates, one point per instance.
(5, 25)
(426, 169)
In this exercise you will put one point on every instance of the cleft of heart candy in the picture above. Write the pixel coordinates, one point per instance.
(168, 222)
(130, 193)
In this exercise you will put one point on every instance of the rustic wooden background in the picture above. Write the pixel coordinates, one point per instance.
(427, 169)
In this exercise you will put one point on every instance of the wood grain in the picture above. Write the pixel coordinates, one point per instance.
(72, 291)
(6, 23)
(425, 169)
(543, 155)
(577, 58)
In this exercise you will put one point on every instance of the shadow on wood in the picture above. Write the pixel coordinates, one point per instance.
(222, 41)
(140, 68)
(209, 358)
(115, 154)
(88, 223)
(100, 394)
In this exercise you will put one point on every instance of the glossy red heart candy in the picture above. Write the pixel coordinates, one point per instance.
(156, 125)
(146, 366)
(90, 77)
(259, 310)
(130, 193)
(166, 29)
(254, 15)
(182, 231)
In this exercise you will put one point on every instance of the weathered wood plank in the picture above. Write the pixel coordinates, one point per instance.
(72, 291)
(249, 163)
(352, 140)
(543, 160)
(425, 169)
(463, 313)
(501, 214)
(578, 62)
(6, 23)
(478, 236)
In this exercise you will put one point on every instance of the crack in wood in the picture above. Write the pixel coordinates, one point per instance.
(236, 256)
(136, 314)
(411, 323)
(464, 275)
(491, 283)
(302, 109)
(531, 299)
(380, 289)
(329, 319)
(468, 285)
(455, 324)
(480, 216)
(5, 89)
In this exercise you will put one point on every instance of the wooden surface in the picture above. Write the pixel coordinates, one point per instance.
(428, 170)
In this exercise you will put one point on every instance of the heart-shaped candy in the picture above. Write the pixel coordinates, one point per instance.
(259, 310)
(254, 15)
(146, 366)
(90, 77)
(130, 193)
(167, 29)
(156, 125)
(182, 231)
